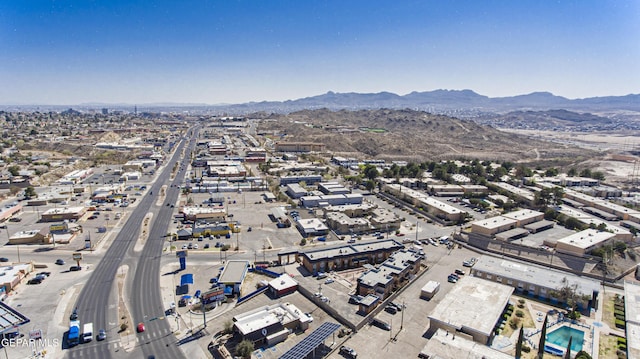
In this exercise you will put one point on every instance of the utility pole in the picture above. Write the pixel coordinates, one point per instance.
(204, 312)
(402, 316)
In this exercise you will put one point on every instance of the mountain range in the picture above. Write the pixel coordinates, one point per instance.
(442, 101)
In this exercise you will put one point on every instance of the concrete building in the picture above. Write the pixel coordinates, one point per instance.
(61, 214)
(583, 242)
(311, 227)
(298, 147)
(233, 275)
(520, 193)
(536, 281)
(458, 312)
(524, 216)
(444, 344)
(270, 324)
(632, 316)
(345, 256)
(330, 200)
(295, 191)
(343, 224)
(429, 204)
(30, 237)
(429, 290)
(196, 213)
(309, 179)
(13, 275)
(492, 226)
(283, 285)
(390, 275)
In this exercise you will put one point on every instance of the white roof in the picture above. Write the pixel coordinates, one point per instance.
(587, 238)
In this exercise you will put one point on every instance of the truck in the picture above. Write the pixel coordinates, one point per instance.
(74, 333)
(87, 332)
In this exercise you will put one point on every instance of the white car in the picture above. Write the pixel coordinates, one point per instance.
(195, 246)
(184, 246)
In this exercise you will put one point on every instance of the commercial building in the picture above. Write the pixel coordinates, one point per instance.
(61, 214)
(283, 285)
(30, 237)
(13, 275)
(330, 200)
(583, 242)
(270, 324)
(233, 275)
(458, 313)
(309, 179)
(345, 256)
(311, 227)
(196, 213)
(536, 281)
(298, 147)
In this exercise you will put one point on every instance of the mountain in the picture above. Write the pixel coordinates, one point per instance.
(441, 101)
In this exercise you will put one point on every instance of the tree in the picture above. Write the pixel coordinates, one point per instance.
(244, 349)
(14, 190)
(567, 353)
(582, 355)
(30, 192)
(228, 327)
(14, 170)
(543, 338)
(519, 343)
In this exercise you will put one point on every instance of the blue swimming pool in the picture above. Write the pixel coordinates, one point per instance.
(560, 337)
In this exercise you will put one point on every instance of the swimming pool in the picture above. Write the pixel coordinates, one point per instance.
(560, 337)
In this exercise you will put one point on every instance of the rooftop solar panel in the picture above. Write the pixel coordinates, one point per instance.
(311, 342)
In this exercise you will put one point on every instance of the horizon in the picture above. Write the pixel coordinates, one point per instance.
(186, 104)
(121, 52)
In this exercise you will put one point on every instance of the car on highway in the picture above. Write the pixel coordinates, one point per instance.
(102, 335)
(60, 262)
(348, 352)
(140, 328)
(4, 259)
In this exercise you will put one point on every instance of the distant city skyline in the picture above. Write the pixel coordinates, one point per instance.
(212, 52)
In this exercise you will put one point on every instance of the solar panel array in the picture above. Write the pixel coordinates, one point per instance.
(10, 318)
(311, 342)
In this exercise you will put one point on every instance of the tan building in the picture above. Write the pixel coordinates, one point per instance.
(60, 214)
(30, 237)
(391, 275)
(299, 147)
(583, 242)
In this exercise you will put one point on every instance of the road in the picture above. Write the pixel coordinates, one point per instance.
(97, 302)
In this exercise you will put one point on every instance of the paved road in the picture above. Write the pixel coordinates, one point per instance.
(97, 303)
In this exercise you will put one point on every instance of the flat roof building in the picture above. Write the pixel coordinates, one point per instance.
(270, 324)
(458, 312)
(233, 275)
(534, 280)
(345, 256)
(632, 316)
(60, 214)
(583, 242)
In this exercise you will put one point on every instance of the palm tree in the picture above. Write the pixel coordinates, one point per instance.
(543, 335)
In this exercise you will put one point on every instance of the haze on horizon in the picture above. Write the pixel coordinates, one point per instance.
(117, 51)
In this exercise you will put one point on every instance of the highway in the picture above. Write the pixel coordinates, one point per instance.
(98, 299)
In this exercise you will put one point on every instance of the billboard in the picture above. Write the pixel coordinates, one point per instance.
(216, 294)
(77, 256)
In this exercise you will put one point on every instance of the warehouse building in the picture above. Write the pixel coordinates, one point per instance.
(583, 242)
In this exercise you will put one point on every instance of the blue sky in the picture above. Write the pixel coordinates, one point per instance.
(113, 51)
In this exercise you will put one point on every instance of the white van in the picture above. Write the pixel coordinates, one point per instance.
(87, 332)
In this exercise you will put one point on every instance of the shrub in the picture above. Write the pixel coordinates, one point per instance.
(244, 349)
(521, 301)
(619, 324)
(526, 349)
(622, 341)
(519, 313)
(622, 347)
(303, 242)
(514, 323)
(521, 306)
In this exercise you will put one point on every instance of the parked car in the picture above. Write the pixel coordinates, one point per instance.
(4, 259)
(391, 309)
(348, 352)
(355, 299)
(459, 272)
(36, 280)
(381, 324)
(75, 268)
(329, 281)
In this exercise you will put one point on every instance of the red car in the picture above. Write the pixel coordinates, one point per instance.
(140, 327)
